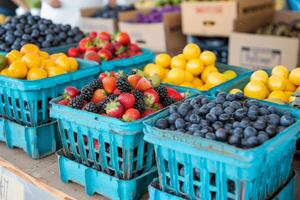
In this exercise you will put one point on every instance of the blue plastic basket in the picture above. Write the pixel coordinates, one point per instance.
(126, 64)
(187, 163)
(37, 142)
(286, 193)
(122, 152)
(27, 102)
(101, 183)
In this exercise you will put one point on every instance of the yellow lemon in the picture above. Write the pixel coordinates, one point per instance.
(281, 71)
(55, 71)
(17, 69)
(278, 101)
(177, 62)
(195, 66)
(163, 60)
(32, 60)
(214, 79)
(235, 90)
(4, 72)
(43, 54)
(176, 76)
(260, 75)
(191, 51)
(187, 84)
(148, 67)
(295, 76)
(203, 88)
(47, 64)
(13, 56)
(57, 55)
(36, 74)
(288, 93)
(289, 86)
(64, 63)
(278, 95)
(208, 57)
(276, 83)
(256, 89)
(188, 76)
(166, 80)
(29, 48)
(197, 82)
(73, 64)
(206, 71)
(181, 56)
(229, 74)
(291, 99)
(158, 70)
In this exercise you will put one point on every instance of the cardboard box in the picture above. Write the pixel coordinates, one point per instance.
(88, 23)
(261, 51)
(220, 18)
(165, 36)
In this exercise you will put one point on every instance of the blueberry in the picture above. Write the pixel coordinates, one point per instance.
(253, 108)
(220, 99)
(274, 119)
(230, 97)
(240, 114)
(234, 140)
(204, 123)
(252, 141)
(263, 111)
(172, 109)
(199, 133)
(249, 131)
(239, 96)
(181, 130)
(216, 111)
(272, 109)
(196, 107)
(49, 37)
(280, 129)
(224, 117)
(226, 104)
(217, 125)
(210, 136)
(221, 134)
(172, 118)
(179, 123)
(183, 109)
(204, 100)
(228, 127)
(62, 35)
(211, 117)
(222, 94)
(238, 131)
(18, 33)
(42, 27)
(271, 130)
(236, 124)
(229, 110)
(172, 128)
(259, 125)
(211, 105)
(194, 118)
(262, 138)
(35, 33)
(204, 109)
(244, 123)
(251, 102)
(194, 127)
(187, 116)
(204, 131)
(193, 102)
(26, 37)
(162, 123)
(187, 124)
(252, 115)
(286, 120)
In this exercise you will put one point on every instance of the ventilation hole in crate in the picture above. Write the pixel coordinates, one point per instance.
(230, 198)
(181, 186)
(96, 144)
(49, 99)
(197, 191)
(87, 153)
(108, 161)
(166, 165)
(17, 103)
(168, 180)
(213, 195)
(69, 147)
(66, 134)
(134, 165)
(12, 113)
(212, 179)
(9, 101)
(231, 186)
(2, 98)
(106, 147)
(75, 137)
(196, 173)
(19, 114)
(145, 147)
(120, 152)
(26, 105)
(97, 156)
(135, 152)
(85, 140)
(180, 169)
(27, 117)
(121, 165)
(144, 160)
(39, 105)
(77, 149)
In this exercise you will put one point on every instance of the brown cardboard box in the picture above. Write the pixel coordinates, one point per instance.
(165, 36)
(221, 18)
(89, 24)
(261, 51)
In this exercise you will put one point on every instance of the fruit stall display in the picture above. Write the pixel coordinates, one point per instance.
(281, 29)
(231, 145)
(192, 68)
(104, 121)
(112, 12)
(27, 28)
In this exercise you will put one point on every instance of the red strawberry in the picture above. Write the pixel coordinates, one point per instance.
(73, 52)
(133, 80)
(157, 106)
(134, 47)
(123, 38)
(143, 84)
(65, 102)
(114, 109)
(98, 96)
(105, 54)
(85, 139)
(110, 47)
(174, 94)
(117, 91)
(131, 114)
(123, 55)
(92, 35)
(119, 48)
(93, 49)
(102, 76)
(150, 97)
(104, 36)
(70, 92)
(83, 105)
(148, 112)
(127, 100)
(131, 53)
(96, 144)
(109, 84)
(93, 56)
(84, 44)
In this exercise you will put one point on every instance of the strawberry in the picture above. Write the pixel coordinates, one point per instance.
(131, 114)
(85, 139)
(104, 36)
(83, 105)
(93, 49)
(134, 47)
(73, 52)
(117, 91)
(114, 109)
(119, 48)
(96, 144)
(143, 84)
(127, 100)
(133, 80)
(84, 44)
(110, 47)
(109, 84)
(150, 97)
(70, 92)
(148, 112)
(102, 76)
(157, 106)
(131, 53)
(92, 35)
(105, 54)
(174, 94)
(65, 102)
(123, 55)
(93, 56)
(123, 38)
(98, 96)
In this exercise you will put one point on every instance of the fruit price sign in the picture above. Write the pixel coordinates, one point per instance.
(10, 188)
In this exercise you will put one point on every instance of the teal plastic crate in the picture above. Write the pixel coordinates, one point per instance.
(98, 182)
(287, 192)
(37, 142)
(109, 144)
(127, 64)
(218, 170)
(27, 102)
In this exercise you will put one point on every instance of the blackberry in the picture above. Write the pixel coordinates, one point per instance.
(137, 94)
(167, 101)
(87, 92)
(96, 84)
(140, 105)
(108, 99)
(123, 84)
(77, 102)
(91, 107)
(162, 92)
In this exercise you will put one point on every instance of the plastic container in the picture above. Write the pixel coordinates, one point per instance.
(126, 64)
(286, 193)
(109, 144)
(37, 142)
(187, 164)
(101, 183)
(27, 102)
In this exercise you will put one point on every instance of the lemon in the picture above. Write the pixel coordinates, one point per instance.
(187, 84)
(214, 79)
(158, 70)
(36, 74)
(276, 83)
(197, 82)
(260, 75)
(178, 62)
(73, 64)
(148, 68)
(289, 86)
(281, 71)
(176, 76)
(235, 90)
(47, 64)
(291, 99)
(17, 69)
(278, 95)
(163, 60)
(191, 51)
(188, 76)
(208, 57)
(63, 62)
(43, 54)
(203, 88)
(295, 76)
(55, 71)
(181, 56)
(32, 60)
(229, 74)
(29, 48)
(13, 56)
(256, 89)
(195, 66)
(278, 101)
(206, 71)
(4, 72)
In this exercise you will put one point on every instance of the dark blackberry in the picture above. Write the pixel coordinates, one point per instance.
(140, 105)
(77, 102)
(87, 92)
(91, 107)
(96, 84)
(123, 85)
(137, 94)
(167, 101)
(162, 92)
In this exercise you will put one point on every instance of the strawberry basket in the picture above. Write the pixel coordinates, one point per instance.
(195, 167)
(107, 144)
(27, 102)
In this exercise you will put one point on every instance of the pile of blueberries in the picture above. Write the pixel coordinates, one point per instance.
(229, 118)
(27, 28)
(112, 12)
